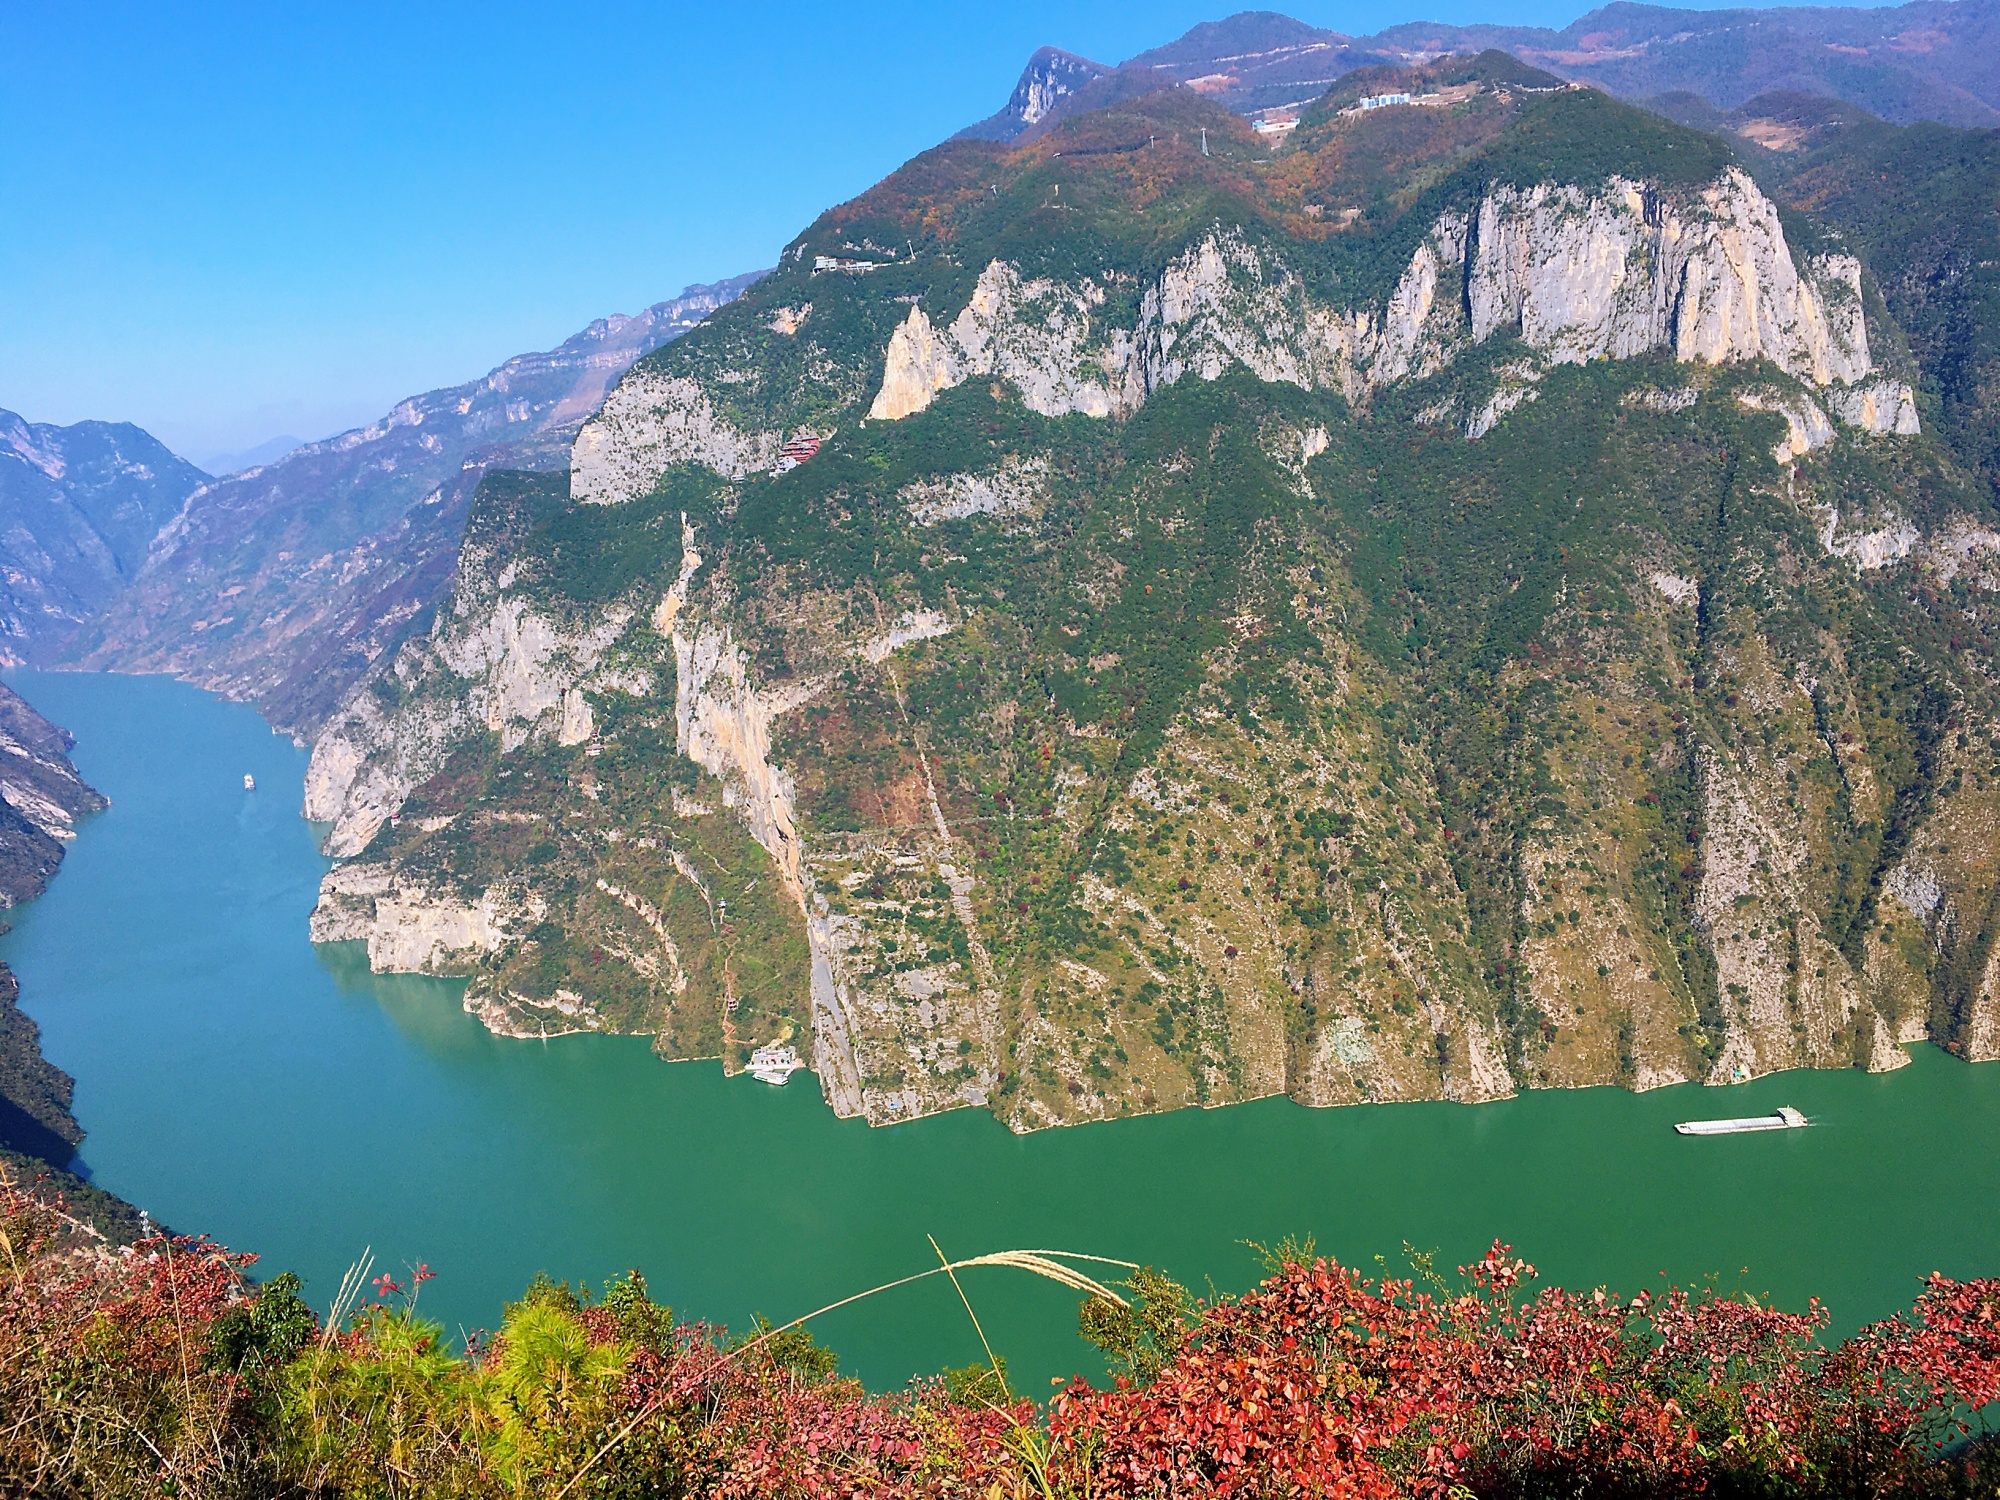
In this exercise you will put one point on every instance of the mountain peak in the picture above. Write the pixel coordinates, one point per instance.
(1247, 36)
(1051, 76)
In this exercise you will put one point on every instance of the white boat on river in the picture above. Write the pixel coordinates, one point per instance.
(1786, 1118)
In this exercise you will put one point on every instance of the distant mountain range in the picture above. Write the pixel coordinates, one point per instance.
(78, 506)
(1930, 60)
(281, 584)
(252, 457)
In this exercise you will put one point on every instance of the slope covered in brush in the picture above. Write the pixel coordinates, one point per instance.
(1467, 600)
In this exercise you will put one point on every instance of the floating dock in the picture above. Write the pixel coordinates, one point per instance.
(774, 1064)
(1786, 1118)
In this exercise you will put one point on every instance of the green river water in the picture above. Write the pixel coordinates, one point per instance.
(236, 1081)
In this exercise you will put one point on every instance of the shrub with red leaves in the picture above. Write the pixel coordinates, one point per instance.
(1320, 1382)
(106, 1384)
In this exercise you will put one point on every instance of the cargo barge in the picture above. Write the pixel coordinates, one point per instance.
(1786, 1118)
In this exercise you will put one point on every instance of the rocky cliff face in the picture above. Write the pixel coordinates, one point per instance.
(1051, 77)
(41, 797)
(285, 584)
(1530, 642)
(1572, 274)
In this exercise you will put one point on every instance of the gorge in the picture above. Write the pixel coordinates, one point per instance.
(286, 1100)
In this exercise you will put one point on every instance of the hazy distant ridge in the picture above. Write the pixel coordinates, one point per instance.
(283, 583)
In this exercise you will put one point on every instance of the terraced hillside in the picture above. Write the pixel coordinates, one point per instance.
(1473, 597)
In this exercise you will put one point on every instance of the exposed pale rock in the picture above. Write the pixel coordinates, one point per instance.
(1663, 401)
(578, 723)
(723, 723)
(648, 913)
(1016, 484)
(1918, 888)
(410, 930)
(1223, 302)
(1748, 907)
(671, 603)
(512, 671)
(917, 625)
(1589, 274)
(38, 808)
(651, 422)
(920, 363)
(1964, 546)
(1516, 388)
(1487, 1064)
(1867, 550)
(1678, 590)
(1577, 274)
(1806, 426)
(1880, 406)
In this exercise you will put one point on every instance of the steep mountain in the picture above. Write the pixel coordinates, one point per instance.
(1928, 60)
(1257, 59)
(1919, 204)
(1473, 596)
(1252, 61)
(78, 505)
(1051, 77)
(284, 583)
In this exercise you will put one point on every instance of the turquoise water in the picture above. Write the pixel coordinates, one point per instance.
(235, 1081)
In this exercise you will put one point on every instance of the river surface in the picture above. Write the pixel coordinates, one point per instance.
(238, 1082)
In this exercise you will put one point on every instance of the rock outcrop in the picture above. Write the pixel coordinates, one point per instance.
(41, 797)
(1574, 273)
(287, 583)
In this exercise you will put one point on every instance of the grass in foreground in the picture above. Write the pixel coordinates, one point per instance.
(160, 1370)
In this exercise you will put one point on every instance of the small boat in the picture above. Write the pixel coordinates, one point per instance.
(1786, 1118)
(249, 782)
(774, 1064)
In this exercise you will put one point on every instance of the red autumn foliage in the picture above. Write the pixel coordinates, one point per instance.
(148, 1371)
(1320, 1382)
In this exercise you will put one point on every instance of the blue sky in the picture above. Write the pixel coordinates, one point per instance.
(227, 221)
